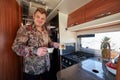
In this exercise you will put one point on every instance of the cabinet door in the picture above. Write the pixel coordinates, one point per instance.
(69, 21)
(101, 8)
(80, 15)
(10, 18)
(76, 17)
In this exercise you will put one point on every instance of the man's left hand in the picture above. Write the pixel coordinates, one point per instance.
(55, 44)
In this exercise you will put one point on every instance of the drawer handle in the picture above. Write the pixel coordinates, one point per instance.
(102, 15)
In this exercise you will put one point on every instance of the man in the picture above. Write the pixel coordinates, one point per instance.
(32, 42)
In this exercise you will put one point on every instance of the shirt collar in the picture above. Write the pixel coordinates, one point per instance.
(35, 29)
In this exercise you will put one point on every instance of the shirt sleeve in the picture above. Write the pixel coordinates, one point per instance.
(20, 43)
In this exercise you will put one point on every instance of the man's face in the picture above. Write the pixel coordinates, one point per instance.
(39, 19)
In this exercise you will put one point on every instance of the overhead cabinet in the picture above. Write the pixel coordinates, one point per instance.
(101, 8)
(77, 17)
(93, 10)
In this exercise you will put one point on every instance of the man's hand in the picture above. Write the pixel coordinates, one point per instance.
(55, 44)
(41, 51)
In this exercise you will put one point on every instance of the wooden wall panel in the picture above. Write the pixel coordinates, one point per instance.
(10, 63)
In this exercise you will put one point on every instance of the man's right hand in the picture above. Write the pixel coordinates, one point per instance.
(41, 51)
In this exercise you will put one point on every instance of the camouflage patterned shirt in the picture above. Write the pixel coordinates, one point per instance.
(26, 43)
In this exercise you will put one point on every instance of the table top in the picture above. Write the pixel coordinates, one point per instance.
(86, 70)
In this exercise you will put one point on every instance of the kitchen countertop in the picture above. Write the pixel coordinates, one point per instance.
(84, 71)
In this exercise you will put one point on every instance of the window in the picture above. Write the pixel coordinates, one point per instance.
(94, 43)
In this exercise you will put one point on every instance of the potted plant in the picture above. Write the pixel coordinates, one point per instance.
(105, 49)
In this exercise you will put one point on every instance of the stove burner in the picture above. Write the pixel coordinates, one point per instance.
(74, 58)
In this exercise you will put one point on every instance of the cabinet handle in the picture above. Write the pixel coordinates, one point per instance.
(108, 13)
(102, 15)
